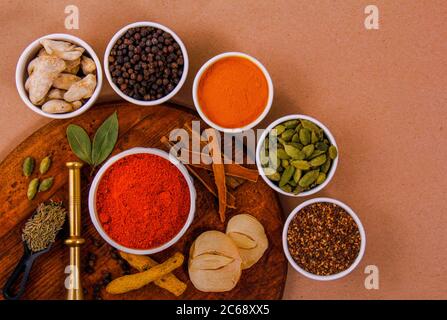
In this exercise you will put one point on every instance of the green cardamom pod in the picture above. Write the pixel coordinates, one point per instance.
(325, 167)
(285, 163)
(281, 142)
(293, 152)
(282, 154)
(28, 166)
(298, 189)
(274, 177)
(309, 178)
(278, 130)
(297, 175)
(308, 150)
(292, 183)
(291, 124)
(316, 153)
(32, 188)
(318, 161)
(297, 145)
(45, 165)
(321, 178)
(304, 136)
(310, 125)
(313, 137)
(321, 146)
(295, 137)
(287, 135)
(300, 164)
(286, 175)
(287, 188)
(46, 184)
(333, 152)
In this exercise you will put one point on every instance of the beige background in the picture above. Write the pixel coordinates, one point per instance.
(382, 93)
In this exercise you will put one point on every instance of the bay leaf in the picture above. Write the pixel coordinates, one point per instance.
(105, 139)
(79, 143)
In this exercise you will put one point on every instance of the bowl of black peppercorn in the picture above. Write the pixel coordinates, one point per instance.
(146, 63)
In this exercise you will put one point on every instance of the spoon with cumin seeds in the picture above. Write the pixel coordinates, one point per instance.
(38, 235)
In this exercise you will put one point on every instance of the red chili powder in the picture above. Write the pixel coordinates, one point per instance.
(142, 201)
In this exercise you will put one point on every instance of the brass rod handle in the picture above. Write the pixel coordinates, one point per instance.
(74, 241)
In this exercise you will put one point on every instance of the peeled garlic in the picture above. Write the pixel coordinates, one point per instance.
(82, 89)
(65, 80)
(57, 106)
(88, 65)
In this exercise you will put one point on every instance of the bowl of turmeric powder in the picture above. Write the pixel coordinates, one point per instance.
(232, 92)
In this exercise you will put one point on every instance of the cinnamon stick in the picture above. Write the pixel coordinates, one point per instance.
(204, 178)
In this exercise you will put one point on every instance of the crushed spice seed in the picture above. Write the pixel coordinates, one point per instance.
(323, 239)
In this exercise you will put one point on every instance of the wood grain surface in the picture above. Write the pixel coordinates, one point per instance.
(139, 127)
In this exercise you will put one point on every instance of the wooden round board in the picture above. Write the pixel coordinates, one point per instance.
(139, 127)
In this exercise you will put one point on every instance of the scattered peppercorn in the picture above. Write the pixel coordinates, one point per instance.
(323, 239)
(146, 63)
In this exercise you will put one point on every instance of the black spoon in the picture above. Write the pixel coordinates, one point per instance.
(24, 266)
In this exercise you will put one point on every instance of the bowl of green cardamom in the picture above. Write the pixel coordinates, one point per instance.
(297, 155)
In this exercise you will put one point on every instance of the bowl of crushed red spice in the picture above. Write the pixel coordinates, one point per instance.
(146, 63)
(141, 201)
(323, 239)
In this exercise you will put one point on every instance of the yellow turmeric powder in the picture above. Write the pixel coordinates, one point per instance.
(233, 92)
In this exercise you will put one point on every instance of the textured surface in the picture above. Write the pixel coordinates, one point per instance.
(139, 127)
(381, 92)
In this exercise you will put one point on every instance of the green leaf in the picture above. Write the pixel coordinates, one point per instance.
(79, 143)
(105, 139)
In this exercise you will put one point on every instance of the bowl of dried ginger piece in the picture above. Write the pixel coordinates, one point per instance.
(59, 76)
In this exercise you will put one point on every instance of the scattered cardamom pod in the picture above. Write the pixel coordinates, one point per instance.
(32, 188)
(46, 184)
(45, 165)
(28, 166)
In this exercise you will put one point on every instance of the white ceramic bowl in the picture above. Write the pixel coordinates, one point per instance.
(30, 53)
(94, 188)
(333, 276)
(146, 24)
(196, 87)
(329, 136)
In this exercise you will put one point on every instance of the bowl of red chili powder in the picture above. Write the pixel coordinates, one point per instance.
(142, 201)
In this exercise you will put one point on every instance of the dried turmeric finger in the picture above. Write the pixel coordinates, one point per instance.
(136, 281)
(168, 282)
